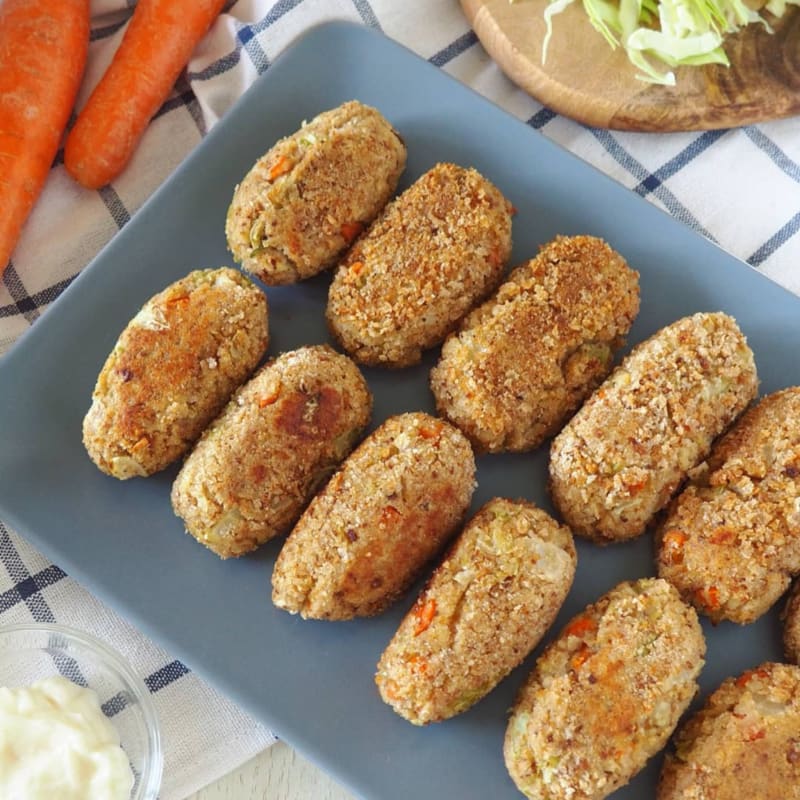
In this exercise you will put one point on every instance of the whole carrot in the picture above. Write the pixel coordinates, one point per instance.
(156, 46)
(43, 47)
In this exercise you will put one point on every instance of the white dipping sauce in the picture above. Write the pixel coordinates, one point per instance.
(55, 742)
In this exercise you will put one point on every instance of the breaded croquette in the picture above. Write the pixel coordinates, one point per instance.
(620, 459)
(382, 517)
(172, 370)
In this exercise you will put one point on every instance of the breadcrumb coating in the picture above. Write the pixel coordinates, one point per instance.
(525, 360)
(620, 459)
(382, 517)
(606, 694)
(309, 196)
(743, 744)
(172, 370)
(431, 255)
(487, 605)
(730, 543)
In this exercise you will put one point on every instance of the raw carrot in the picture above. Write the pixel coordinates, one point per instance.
(43, 49)
(156, 46)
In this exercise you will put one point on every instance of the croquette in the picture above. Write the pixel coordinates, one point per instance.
(172, 370)
(524, 361)
(606, 695)
(623, 455)
(730, 542)
(307, 198)
(382, 517)
(743, 744)
(433, 253)
(485, 608)
(281, 436)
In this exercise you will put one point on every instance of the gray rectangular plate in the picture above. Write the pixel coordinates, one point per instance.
(313, 682)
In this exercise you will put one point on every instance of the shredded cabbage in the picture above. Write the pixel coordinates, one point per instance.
(659, 34)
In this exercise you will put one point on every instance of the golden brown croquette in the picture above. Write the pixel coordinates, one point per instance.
(386, 513)
(622, 456)
(172, 370)
(743, 744)
(431, 255)
(730, 542)
(258, 464)
(524, 361)
(304, 201)
(606, 695)
(485, 608)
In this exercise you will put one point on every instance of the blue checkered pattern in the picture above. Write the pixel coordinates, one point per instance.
(775, 243)
(740, 188)
(30, 590)
(194, 718)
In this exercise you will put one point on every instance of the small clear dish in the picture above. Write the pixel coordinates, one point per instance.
(32, 652)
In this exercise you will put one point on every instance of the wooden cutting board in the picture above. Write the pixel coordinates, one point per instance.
(585, 79)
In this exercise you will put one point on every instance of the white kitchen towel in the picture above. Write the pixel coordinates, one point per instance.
(740, 188)
(204, 735)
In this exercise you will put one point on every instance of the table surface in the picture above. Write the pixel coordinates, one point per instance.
(278, 773)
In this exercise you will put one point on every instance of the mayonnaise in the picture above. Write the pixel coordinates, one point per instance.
(55, 742)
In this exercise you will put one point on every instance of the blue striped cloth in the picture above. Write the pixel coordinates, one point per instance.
(740, 188)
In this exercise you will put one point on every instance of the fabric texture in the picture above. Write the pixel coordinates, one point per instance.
(740, 188)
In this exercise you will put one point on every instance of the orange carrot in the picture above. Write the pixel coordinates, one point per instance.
(749, 674)
(580, 657)
(389, 514)
(673, 543)
(722, 535)
(707, 598)
(156, 46)
(350, 230)
(269, 399)
(424, 614)
(580, 626)
(756, 734)
(418, 663)
(43, 48)
(283, 165)
(431, 431)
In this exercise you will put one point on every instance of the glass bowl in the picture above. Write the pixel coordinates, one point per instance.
(29, 653)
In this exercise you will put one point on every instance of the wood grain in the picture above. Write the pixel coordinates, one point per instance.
(586, 80)
(276, 774)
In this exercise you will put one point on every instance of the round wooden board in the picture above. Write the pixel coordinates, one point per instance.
(586, 80)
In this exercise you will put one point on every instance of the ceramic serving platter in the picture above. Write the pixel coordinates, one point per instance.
(312, 682)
